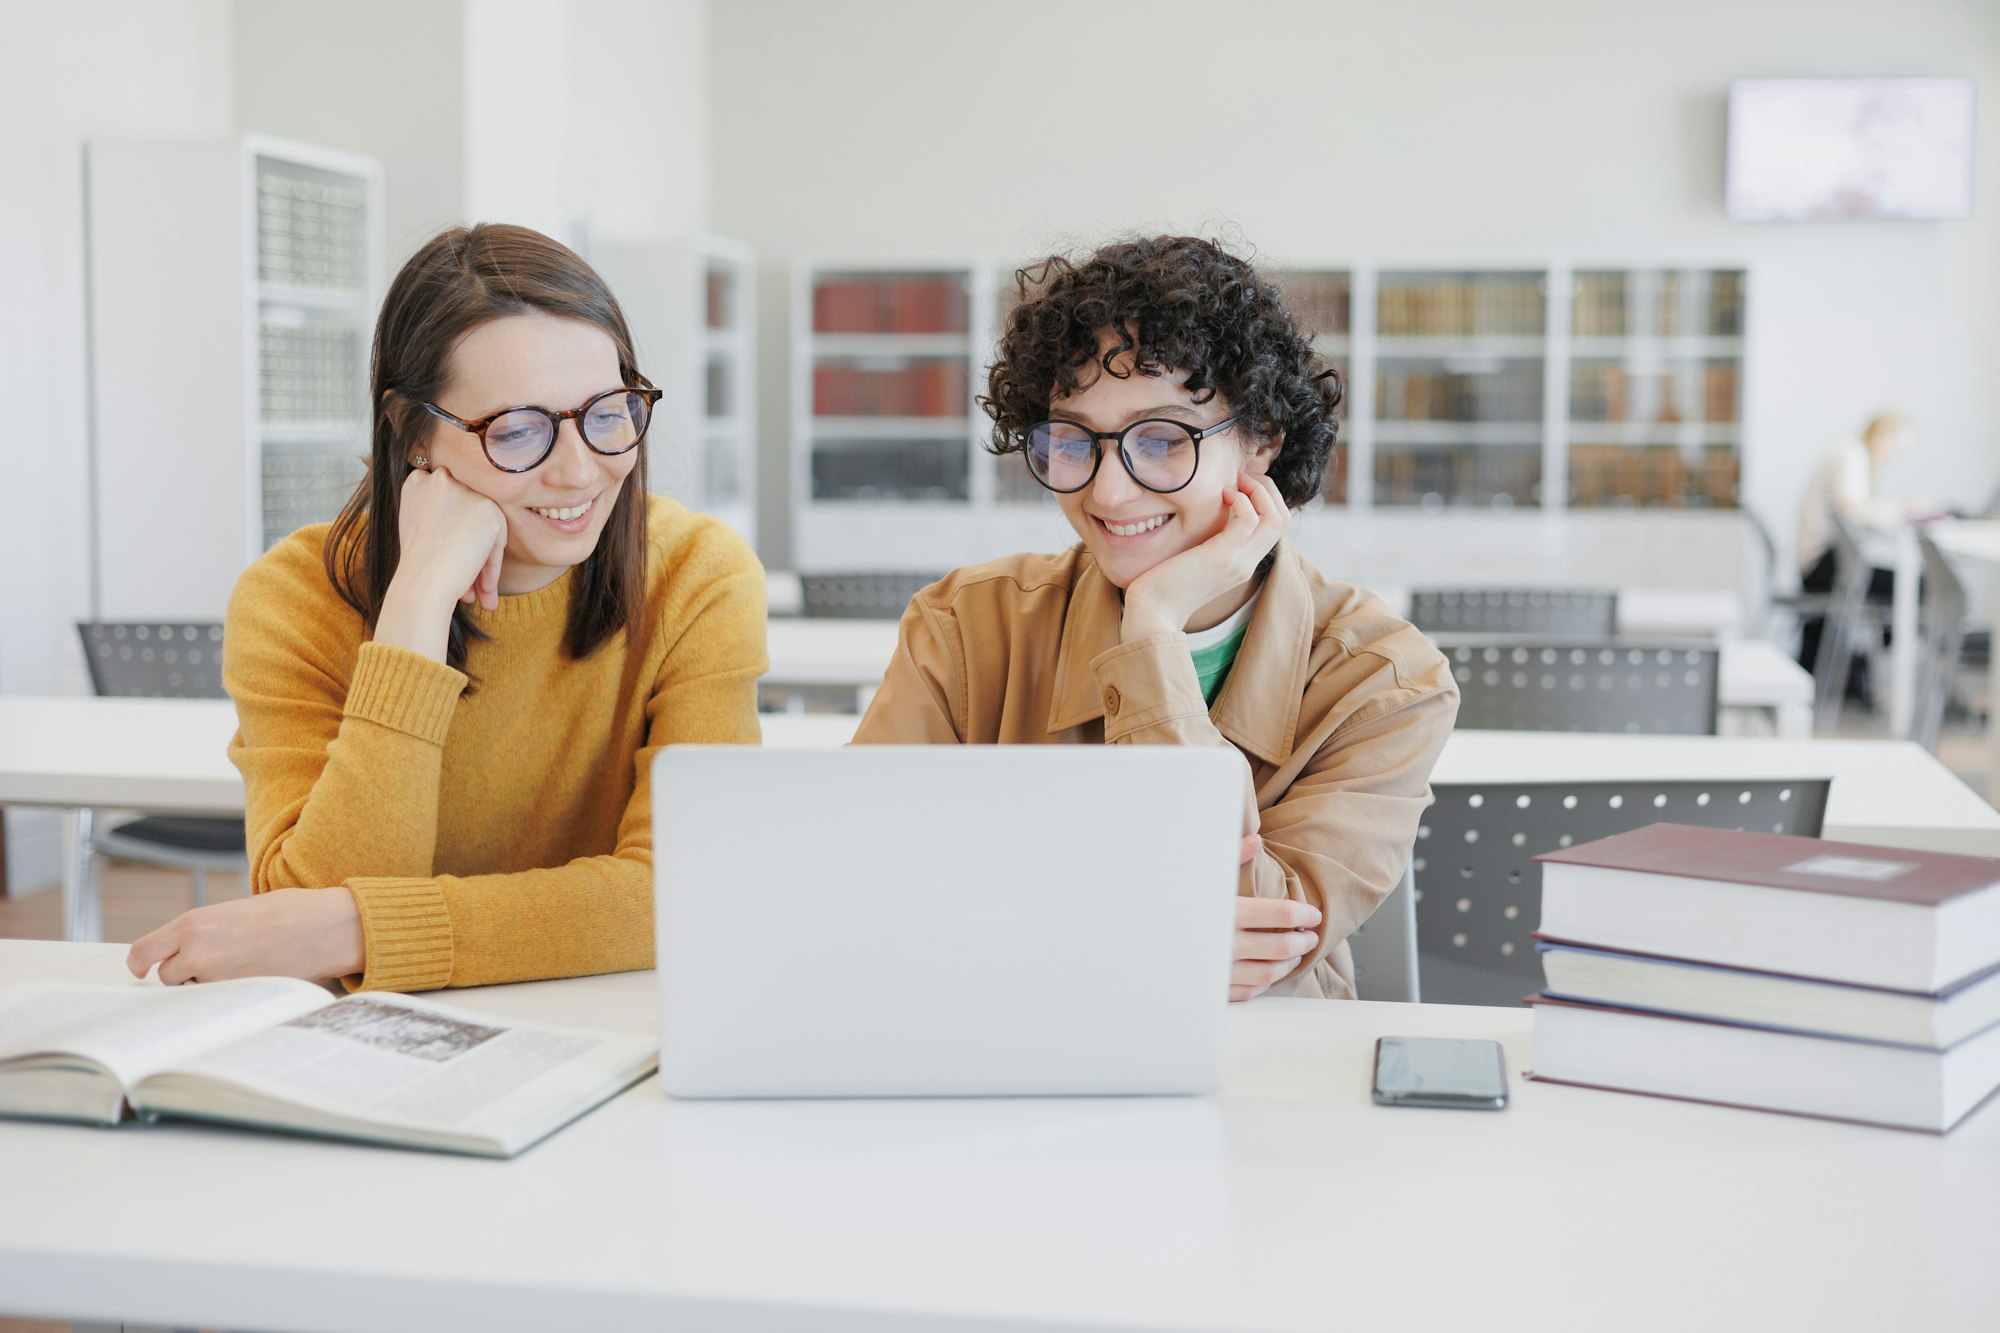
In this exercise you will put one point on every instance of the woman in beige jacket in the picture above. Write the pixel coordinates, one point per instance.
(1163, 392)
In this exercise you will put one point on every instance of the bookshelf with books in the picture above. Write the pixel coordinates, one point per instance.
(1502, 393)
(1655, 388)
(233, 286)
(889, 466)
(691, 303)
(1460, 359)
(1323, 302)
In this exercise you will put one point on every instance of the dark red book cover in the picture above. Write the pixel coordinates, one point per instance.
(1776, 861)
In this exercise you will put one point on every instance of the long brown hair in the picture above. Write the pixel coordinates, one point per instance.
(459, 280)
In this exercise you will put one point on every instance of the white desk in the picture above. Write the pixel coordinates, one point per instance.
(1890, 792)
(1704, 613)
(1978, 545)
(168, 754)
(1289, 1202)
(1973, 542)
(71, 754)
(1757, 680)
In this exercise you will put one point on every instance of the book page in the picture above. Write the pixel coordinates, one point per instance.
(139, 1029)
(398, 1060)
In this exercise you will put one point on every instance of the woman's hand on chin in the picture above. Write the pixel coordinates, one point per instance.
(314, 934)
(1166, 597)
(453, 541)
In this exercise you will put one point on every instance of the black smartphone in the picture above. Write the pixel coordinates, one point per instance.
(1464, 1072)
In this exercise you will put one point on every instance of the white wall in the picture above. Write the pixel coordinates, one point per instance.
(1350, 129)
(69, 73)
(636, 160)
(381, 77)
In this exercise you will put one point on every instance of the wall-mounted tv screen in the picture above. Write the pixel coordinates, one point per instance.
(1850, 148)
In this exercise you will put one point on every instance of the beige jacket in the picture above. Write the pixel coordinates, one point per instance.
(1338, 707)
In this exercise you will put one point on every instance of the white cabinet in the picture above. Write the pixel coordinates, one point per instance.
(1512, 397)
(691, 305)
(232, 294)
(889, 465)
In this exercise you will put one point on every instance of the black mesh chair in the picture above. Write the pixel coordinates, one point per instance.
(1537, 613)
(153, 660)
(1479, 889)
(859, 596)
(1654, 690)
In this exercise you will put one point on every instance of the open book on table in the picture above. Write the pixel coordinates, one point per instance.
(274, 1053)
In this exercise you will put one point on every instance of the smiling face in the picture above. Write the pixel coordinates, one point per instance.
(1128, 528)
(555, 512)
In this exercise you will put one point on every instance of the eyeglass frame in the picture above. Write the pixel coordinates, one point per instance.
(1097, 438)
(556, 419)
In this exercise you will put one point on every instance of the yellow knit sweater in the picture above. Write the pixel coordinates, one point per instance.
(500, 836)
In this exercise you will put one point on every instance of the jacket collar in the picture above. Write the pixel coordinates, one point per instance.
(1258, 710)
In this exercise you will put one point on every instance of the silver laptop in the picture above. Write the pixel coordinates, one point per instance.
(916, 921)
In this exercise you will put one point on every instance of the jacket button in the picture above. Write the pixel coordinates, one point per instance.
(1111, 701)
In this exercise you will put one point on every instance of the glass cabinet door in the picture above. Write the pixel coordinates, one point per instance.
(1459, 371)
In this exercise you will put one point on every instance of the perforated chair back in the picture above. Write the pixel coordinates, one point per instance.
(1384, 947)
(1538, 613)
(862, 596)
(154, 660)
(1655, 690)
(1479, 890)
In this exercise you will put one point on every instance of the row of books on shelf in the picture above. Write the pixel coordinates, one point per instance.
(1321, 302)
(309, 371)
(1607, 392)
(717, 302)
(920, 389)
(1777, 973)
(1603, 305)
(311, 233)
(1461, 308)
(1615, 476)
(303, 488)
(1482, 474)
(718, 399)
(930, 304)
(1513, 393)
(892, 470)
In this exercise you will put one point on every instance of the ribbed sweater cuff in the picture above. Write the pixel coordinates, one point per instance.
(404, 691)
(406, 929)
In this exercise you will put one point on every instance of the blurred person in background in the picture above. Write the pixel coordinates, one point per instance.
(1846, 483)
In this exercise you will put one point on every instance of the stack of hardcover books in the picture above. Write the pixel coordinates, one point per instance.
(1786, 974)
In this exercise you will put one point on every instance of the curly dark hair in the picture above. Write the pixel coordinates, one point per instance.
(1179, 303)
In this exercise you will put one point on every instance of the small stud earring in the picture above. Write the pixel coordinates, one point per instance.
(420, 461)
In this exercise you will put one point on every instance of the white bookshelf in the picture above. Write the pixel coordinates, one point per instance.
(232, 294)
(691, 304)
(889, 467)
(1466, 397)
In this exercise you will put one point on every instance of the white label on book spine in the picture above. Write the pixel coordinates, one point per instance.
(1851, 867)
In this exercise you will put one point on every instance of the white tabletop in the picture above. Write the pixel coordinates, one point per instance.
(168, 754)
(1755, 673)
(1974, 539)
(1289, 1202)
(1890, 792)
(163, 755)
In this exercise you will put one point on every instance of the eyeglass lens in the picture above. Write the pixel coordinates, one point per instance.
(611, 423)
(1160, 454)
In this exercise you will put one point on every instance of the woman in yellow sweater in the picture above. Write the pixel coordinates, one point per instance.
(449, 699)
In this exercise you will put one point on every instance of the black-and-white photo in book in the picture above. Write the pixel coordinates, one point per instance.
(274, 1053)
